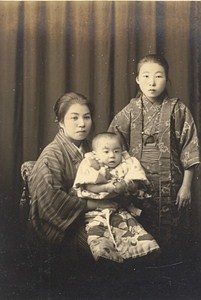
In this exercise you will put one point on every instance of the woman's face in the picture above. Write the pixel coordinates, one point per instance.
(151, 80)
(77, 123)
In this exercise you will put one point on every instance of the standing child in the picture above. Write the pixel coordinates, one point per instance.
(107, 172)
(161, 133)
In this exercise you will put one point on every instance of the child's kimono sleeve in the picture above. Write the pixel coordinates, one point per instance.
(89, 172)
(186, 134)
(134, 169)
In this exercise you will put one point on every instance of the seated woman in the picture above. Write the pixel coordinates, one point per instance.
(56, 216)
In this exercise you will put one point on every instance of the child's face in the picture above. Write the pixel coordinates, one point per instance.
(109, 151)
(151, 80)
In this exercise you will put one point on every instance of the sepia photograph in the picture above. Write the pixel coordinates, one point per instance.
(100, 134)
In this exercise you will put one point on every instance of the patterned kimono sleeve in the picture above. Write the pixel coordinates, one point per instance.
(121, 125)
(186, 132)
(51, 202)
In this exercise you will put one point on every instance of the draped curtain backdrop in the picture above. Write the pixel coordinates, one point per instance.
(92, 47)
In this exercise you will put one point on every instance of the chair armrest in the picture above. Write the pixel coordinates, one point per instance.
(26, 169)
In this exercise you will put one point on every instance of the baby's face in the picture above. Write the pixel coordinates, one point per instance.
(109, 151)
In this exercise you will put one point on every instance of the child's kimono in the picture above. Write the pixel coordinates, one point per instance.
(114, 233)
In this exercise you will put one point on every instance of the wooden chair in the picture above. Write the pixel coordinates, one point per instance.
(24, 205)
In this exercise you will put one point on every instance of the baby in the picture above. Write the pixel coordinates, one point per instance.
(109, 172)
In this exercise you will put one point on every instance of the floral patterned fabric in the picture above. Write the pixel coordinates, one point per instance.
(174, 149)
(114, 234)
(92, 171)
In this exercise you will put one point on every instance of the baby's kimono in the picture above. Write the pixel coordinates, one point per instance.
(114, 234)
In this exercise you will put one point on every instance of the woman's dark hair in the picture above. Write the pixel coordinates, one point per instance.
(63, 104)
(155, 58)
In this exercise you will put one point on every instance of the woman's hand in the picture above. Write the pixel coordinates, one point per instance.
(110, 187)
(120, 187)
(133, 187)
(101, 188)
(102, 204)
(183, 197)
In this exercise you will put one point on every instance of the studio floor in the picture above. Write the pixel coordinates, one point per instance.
(21, 279)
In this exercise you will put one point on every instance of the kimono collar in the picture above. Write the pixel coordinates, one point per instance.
(75, 153)
(167, 106)
(158, 101)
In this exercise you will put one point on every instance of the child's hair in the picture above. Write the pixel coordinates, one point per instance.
(63, 104)
(155, 58)
(102, 135)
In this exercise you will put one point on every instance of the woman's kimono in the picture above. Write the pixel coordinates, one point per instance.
(54, 212)
(172, 148)
(114, 234)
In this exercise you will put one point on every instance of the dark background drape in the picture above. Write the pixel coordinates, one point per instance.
(48, 48)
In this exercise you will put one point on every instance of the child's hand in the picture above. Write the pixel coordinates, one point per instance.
(183, 197)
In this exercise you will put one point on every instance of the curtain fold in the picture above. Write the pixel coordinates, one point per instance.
(92, 47)
(194, 92)
(176, 26)
(8, 55)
